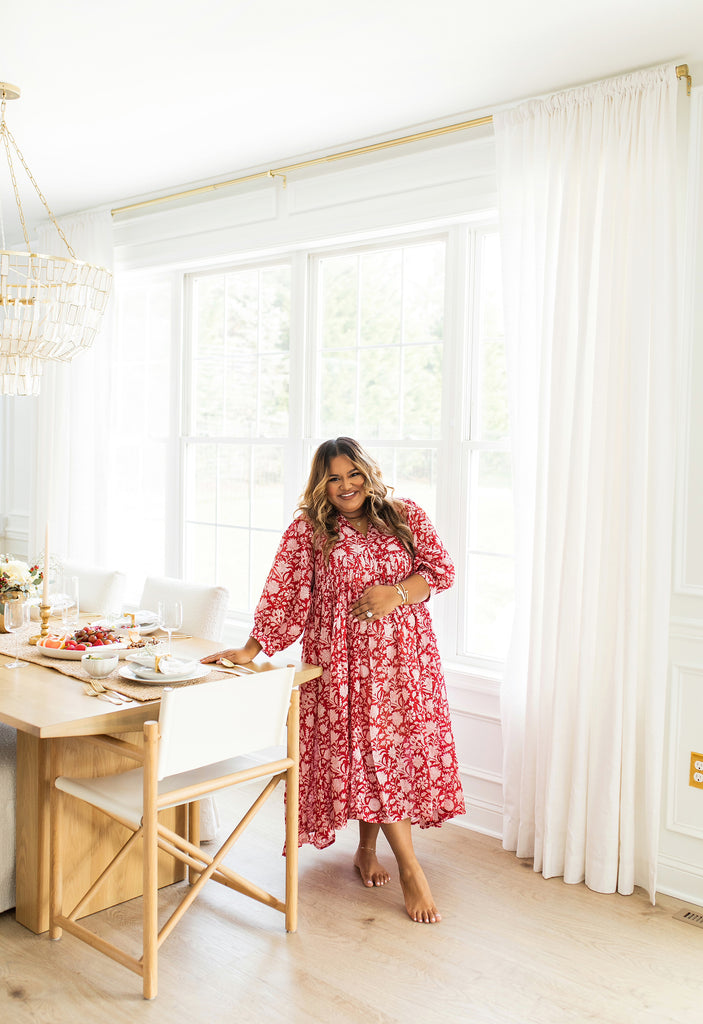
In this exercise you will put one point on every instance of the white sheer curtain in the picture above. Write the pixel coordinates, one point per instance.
(72, 463)
(588, 230)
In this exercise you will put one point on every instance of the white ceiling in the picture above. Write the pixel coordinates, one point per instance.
(125, 99)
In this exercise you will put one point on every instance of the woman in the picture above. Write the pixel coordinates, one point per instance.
(353, 574)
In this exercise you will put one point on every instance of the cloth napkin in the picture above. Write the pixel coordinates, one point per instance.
(144, 666)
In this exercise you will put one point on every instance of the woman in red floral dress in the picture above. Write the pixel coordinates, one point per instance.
(353, 574)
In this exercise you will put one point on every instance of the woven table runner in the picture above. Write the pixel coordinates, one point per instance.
(74, 669)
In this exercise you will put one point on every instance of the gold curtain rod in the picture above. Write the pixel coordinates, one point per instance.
(282, 172)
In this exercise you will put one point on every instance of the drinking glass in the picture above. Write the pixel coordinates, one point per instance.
(70, 610)
(16, 616)
(170, 617)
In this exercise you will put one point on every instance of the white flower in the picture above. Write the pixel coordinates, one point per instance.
(18, 573)
(18, 577)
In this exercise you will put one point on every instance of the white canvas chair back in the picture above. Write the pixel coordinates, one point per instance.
(204, 608)
(99, 590)
(205, 724)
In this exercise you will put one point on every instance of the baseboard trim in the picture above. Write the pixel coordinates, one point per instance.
(681, 880)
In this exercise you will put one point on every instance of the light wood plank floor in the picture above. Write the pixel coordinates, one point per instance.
(512, 949)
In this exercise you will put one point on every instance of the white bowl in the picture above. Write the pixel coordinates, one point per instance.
(99, 665)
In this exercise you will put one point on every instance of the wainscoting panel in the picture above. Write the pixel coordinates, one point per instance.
(475, 708)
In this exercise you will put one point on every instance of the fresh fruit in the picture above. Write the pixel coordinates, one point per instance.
(83, 639)
(52, 640)
(95, 636)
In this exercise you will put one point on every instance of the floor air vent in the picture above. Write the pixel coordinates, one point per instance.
(690, 917)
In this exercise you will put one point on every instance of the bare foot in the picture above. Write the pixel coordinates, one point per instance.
(418, 898)
(366, 863)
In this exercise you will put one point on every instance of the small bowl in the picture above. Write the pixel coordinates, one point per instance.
(99, 665)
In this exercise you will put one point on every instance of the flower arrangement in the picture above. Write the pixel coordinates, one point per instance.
(17, 577)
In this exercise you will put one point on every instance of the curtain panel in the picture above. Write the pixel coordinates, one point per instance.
(72, 466)
(587, 196)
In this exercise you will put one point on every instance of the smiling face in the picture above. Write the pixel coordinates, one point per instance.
(345, 486)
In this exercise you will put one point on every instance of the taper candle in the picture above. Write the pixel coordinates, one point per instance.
(45, 587)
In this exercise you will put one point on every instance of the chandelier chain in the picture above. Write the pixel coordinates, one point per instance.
(11, 167)
(4, 130)
(8, 138)
(39, 193)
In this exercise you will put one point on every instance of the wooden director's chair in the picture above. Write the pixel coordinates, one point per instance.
(200, 744)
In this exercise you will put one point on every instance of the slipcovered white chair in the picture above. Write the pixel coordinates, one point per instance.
(8, 801)
(204, 611)
(204, 607)
(99, 590)
(202, 742)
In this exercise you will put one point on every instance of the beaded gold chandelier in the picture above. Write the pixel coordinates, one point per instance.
(50, 306)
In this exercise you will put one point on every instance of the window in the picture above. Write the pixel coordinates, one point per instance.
(397, 342)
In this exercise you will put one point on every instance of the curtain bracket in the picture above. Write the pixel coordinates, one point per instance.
(683, 72)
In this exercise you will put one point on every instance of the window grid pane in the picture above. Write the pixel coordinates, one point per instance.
(487, 590)
(239, 411)
(380, 342)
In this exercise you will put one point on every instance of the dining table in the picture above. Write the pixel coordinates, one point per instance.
(46, 702)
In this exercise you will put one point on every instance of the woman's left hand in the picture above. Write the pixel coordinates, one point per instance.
(379, 601)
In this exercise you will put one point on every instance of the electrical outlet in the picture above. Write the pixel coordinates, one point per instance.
(695, 777)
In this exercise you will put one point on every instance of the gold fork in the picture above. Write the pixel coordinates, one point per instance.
(95, 689)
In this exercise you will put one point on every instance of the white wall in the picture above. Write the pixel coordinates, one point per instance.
(681, 848)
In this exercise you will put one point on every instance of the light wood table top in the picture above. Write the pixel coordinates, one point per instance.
(43, 702)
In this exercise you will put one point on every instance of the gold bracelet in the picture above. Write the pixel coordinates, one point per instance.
(402, 592)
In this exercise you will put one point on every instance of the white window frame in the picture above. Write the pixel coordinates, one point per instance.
(460, 360)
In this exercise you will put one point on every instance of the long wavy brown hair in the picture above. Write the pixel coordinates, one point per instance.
(386, 513)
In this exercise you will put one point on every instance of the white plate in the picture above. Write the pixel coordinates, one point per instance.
(144, 666)
(198, 672)
(56, 652)
(145, 622)
(146, 658)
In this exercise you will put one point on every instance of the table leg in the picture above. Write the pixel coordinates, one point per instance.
(90, 836)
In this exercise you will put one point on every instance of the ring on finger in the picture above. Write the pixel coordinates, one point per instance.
(369, 614)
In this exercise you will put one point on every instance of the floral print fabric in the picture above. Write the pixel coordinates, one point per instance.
(376, 741)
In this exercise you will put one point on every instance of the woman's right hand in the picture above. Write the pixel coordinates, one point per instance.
(237, 655)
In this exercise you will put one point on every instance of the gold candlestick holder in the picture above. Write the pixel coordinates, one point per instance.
(44, 612)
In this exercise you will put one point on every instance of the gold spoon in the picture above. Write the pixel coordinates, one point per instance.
(230, 664)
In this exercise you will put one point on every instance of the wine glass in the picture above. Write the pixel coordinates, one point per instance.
(170, 617)
(16, 616)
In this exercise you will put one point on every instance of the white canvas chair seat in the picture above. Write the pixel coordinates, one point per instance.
(203, 742)
(122, 796)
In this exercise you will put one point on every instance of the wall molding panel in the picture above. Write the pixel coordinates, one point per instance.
(688, 551)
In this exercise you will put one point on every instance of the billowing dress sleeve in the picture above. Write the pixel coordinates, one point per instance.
(432, 560)
(283, 607)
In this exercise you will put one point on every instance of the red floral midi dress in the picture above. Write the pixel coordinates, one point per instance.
(376, 741)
